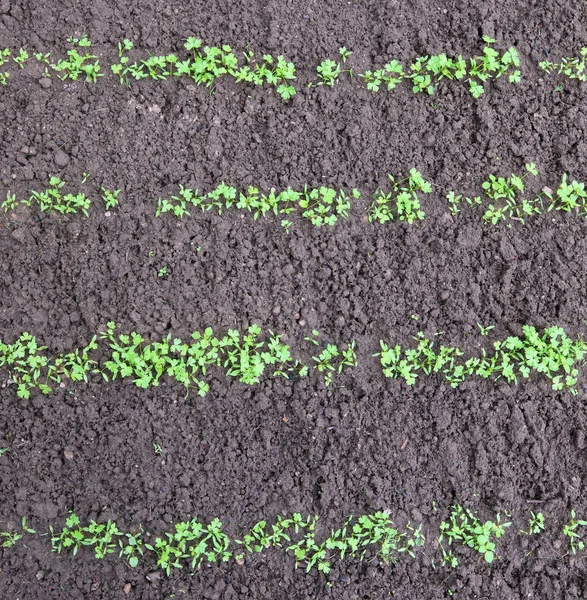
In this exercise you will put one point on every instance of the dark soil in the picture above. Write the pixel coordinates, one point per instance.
(491, 446)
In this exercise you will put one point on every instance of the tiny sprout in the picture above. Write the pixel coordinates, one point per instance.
(162, 271)
(485, 330)
(157, 449)
(344, 53)
(536, 524)
(110, 198)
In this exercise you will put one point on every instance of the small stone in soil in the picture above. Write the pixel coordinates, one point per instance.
(126, 589)
(61, 159)
(68, 455)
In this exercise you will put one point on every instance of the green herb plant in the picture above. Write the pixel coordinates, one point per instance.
(193, 543)
(205, 64)
(499, 189)
(329, 70)
(331, 354)
(570, 530)
(10, 538)
(321, 206)
(402, 202)
(535, 524)
(553, 355)
(4, 56)
(573, 67)
(110, 198)
(21, 57)
(465, 528)
(52, 199)
(77, 65)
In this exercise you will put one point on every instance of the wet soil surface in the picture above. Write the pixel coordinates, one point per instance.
(340, 450)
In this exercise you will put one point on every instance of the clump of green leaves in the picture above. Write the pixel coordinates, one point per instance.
(454, 202)
(30, 367)
(194, 541)
(276, 72)
(321, 206)
(570, 530)
(329, 70)
(4, 56)
(10, 538)
(332, 359)
(573, 67)
(110, 198)
(389, 75)
(205, 64)
(465, 528)
(535, 524)
(101, 536)
(52, 199)
(21, 57)
(247, 358)
(507, 190)
(569, 197)
(553, 355)
(490, 65)
(76, 64)
(427, 71)
(147, 363)
(402, 202)
(508, 202)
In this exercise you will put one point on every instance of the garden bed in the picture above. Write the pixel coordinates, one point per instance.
(365, 443)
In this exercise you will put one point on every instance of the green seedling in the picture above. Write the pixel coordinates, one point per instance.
(321, 206)
(348, 357)
(573, 67)
(77, 64)
(191, 540)
(402, 202)
(570, 530)
(535, 525)
(44, 58)
(110, 198)
(454, 202)
(3, 451)
(551, 354)
(132, 548)
(569, 197)
(389, 75)
(507, 189)
(325, 360)
(21, 58)
(485, 330)
(344, 53)
(465, 528)
(157, 449)
(4, 56)
(492, 65)
(9, 538)
(162, 272)
(52, 199)
(328, 72)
